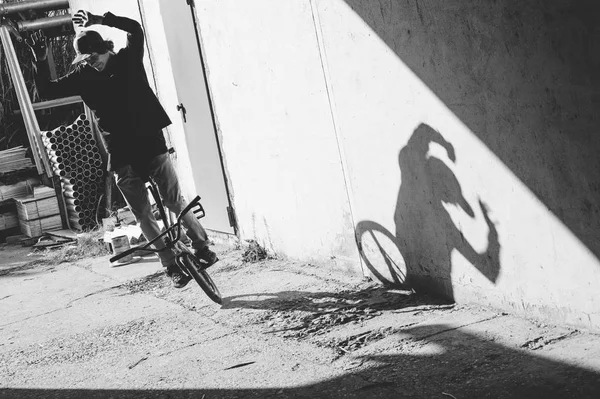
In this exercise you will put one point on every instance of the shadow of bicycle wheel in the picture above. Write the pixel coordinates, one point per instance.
(380, 252)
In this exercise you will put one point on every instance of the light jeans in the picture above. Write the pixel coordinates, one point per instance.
(134, 190)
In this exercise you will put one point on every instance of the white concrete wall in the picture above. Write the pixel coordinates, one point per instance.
(383, 61)
(426, 180)
(273, 116)
(429, 128)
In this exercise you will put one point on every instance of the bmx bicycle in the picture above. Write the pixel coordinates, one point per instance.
(185, 258)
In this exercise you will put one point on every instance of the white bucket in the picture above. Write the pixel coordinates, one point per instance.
(120, 244)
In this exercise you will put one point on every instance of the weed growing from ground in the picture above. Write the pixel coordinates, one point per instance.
(254, 253)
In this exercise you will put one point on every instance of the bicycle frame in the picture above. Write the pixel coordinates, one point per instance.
(172, 233)
(184, 258)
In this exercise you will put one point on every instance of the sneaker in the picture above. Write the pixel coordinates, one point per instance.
(179, 279)
(207, 257)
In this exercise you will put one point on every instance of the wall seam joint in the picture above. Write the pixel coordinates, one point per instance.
(334, 119)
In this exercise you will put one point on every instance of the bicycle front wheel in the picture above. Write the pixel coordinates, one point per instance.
(194, 268)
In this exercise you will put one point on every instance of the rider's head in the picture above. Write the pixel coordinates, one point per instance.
(92, 49)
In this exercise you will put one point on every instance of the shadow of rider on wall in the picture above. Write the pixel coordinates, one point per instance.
(425, 232)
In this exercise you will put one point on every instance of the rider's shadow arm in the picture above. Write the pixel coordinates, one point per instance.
(487, 262)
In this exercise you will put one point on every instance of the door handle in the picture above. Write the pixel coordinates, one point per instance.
(181, 109)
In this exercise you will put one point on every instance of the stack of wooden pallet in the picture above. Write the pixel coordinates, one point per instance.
(8, 220)
(8, 212)
(14, 159)
(18, 190)
(39, 213)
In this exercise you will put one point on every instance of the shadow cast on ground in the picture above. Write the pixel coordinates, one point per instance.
(375, 298)
(454, 362)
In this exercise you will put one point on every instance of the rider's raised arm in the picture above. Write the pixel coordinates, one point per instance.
(135, 33)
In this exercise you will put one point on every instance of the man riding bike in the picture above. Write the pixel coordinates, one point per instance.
(115, 87)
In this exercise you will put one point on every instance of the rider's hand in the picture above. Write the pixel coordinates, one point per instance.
(84, 19)
(451, 153)
(485, 210)
(38, 43)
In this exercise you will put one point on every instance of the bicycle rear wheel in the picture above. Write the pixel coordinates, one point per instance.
(194, 268)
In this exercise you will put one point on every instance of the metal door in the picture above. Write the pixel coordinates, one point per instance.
(196, 112)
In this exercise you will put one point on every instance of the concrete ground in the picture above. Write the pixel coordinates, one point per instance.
(285, 330)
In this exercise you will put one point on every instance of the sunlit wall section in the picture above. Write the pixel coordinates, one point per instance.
(446, 189)
(279, 144)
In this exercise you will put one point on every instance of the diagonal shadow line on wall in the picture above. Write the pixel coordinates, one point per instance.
(524, 77)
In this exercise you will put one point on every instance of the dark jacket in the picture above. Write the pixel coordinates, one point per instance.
(125, 106)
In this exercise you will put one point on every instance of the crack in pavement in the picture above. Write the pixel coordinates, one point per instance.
(68, 305)
(30, 317)
(162, 354)
(541, 342)
(458, 327)
(93, 293)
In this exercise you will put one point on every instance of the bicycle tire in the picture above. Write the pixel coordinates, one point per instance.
(194, 268)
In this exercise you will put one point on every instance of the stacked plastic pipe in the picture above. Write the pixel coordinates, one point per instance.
(74, 156)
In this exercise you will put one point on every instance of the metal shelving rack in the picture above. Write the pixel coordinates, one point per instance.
(11, 28)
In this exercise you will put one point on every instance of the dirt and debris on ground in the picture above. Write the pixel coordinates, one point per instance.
(285, 330)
